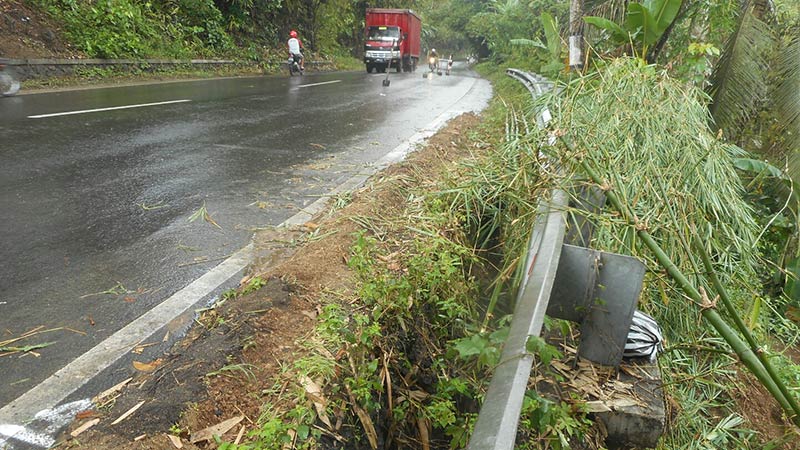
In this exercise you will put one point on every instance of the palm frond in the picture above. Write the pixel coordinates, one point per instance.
(787, 97)
(739, 81)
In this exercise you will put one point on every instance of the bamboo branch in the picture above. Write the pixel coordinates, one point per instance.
(726, 300)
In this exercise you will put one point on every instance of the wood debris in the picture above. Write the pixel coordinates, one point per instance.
(147, 367)
(114, 389)
(84, 427)
(314, 393)
(207, 434)
(424, 436)
(128, 413)
(365, 420)
(239, 436)
(87, 414)
(176, 441)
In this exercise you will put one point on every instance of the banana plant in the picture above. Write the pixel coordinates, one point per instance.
(644, 23)
(552, 44)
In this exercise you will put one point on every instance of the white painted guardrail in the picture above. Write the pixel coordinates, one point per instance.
(496, 428)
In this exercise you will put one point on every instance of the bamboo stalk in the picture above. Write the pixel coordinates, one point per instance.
(745, 354)
(726, 300)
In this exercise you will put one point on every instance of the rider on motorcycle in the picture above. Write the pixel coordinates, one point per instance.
(296, 48)
(433, 59)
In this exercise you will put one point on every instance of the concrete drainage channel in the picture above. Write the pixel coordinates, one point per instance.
(596, 289)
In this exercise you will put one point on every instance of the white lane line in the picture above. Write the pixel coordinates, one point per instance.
(75, 374)
(45, 426)
(70, 378)
(319, 84)
(142, 105)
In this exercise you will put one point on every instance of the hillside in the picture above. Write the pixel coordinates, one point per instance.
(26, 32)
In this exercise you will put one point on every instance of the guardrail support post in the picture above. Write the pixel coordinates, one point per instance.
(599, 290)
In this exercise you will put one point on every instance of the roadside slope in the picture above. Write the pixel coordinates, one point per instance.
(229, 366)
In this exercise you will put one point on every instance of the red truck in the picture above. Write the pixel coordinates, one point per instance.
(392, 36)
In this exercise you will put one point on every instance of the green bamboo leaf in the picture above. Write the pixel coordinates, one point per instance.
(26, 348)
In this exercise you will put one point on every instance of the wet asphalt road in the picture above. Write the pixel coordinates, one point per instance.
(95, 207)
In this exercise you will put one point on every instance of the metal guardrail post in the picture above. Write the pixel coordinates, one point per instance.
(496, 427)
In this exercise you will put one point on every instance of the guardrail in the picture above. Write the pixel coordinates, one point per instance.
(599, 290)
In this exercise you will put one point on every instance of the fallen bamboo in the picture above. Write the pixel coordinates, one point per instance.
(737, 320)
(708, 311)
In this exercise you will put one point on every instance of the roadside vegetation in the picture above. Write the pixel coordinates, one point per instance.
(687, 114)
(411, 347)
(253, 32)
(691, 132)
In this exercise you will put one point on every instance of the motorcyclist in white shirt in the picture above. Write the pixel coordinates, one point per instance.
(296, 48)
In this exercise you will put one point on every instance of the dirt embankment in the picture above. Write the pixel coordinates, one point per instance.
(27, 33)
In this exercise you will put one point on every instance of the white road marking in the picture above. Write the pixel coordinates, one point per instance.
(46, 424)
(142, 105)
(40, 401)
(319, 84)
(75, 374)
(22, 434)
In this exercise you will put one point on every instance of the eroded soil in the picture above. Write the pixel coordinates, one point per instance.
(26, 33)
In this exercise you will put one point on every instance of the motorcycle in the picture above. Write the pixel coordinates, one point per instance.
(433, 66)
(8, 83)
(294, 65)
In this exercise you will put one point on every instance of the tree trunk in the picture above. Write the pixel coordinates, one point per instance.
(576, 12)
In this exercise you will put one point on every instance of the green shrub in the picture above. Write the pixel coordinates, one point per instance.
(130, 29)
(105, 28)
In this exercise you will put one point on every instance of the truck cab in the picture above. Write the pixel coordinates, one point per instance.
(382, 47)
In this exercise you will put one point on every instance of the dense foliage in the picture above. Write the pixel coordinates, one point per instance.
(189, 28)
